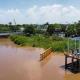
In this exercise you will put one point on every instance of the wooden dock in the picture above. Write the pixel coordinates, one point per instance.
(73, 57)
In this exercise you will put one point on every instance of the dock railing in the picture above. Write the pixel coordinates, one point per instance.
(45, 54)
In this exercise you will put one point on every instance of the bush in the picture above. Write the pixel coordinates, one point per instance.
(56, 38)
(29, 30)
(57, 44)
(20, 40)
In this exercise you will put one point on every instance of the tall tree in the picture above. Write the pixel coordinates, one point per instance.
(29, 30)
(50, 29)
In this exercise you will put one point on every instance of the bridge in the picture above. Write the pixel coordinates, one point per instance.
(9, 33)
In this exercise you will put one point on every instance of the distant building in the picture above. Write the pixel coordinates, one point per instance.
(59, 33)
(62, 34)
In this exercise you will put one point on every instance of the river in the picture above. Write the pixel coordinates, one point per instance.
(22, 63)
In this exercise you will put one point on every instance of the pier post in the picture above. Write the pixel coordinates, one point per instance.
(77, 63)
(66, 61)
(72, 63)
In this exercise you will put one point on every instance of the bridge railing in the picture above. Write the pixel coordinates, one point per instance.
(10, 33)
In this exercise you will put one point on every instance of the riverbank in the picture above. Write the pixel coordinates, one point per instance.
(56, 43)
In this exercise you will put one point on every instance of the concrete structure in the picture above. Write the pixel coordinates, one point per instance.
(8, 34)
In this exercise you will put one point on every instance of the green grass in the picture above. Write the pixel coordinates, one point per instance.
(57, 43)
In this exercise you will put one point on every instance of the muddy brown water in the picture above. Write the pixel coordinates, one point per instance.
(22, 63)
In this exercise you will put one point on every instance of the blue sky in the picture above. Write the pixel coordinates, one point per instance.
(22, 4)
(38, 11)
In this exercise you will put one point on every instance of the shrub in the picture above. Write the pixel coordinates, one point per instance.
(20, 40)
(56, 38)
(57, 44)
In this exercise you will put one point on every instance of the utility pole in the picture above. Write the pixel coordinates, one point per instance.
(68, 38)
(15, 24)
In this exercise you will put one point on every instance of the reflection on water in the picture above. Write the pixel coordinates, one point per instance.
(22, 63)
(45, 61)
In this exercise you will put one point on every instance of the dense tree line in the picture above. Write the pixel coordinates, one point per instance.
(48, 29)
(68, 29)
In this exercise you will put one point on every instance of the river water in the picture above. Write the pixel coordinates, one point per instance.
(22, 63)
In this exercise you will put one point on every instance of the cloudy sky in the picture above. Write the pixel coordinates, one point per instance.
(39, 11)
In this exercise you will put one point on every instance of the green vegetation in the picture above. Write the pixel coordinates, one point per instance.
(45, 35)
(57, 43)
(29, 30)
(20, 40)
(49, 29)
(53, 27)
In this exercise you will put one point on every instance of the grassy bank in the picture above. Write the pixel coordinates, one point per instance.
(57, 44)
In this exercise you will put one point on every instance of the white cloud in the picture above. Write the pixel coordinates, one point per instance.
(54, 13)
(9, 15)
(49, 13)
